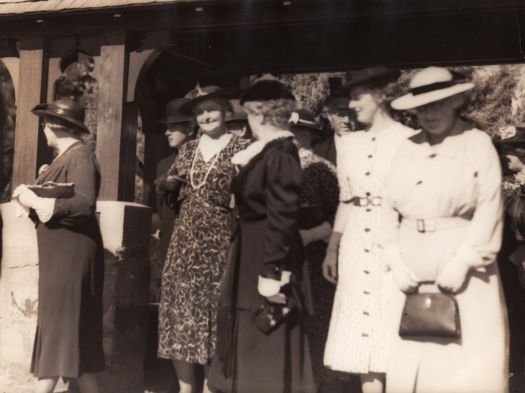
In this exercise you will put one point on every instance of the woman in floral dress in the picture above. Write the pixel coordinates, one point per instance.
(318, 203)
(196, 258)
(357, 338)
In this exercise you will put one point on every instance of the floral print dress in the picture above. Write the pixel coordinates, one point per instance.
(195, 263)
(319, 187)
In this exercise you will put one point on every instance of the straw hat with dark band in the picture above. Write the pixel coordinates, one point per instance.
(64, 109)
(430, 85)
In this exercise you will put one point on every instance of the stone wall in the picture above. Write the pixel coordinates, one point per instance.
(125, 230)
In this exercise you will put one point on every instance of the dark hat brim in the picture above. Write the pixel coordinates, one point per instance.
(175, 120)
(44, 110)
(316, 130)
(337, 103)
(226, 93)
(378, 78)
(237, 117)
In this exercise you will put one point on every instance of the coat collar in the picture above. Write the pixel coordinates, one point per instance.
(243, 157)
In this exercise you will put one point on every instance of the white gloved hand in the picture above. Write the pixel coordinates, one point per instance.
(453, 276)
(25, 196)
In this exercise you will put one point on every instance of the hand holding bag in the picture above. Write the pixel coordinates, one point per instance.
(430, 315)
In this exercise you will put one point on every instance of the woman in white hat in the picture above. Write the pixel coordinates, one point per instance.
(443, 224)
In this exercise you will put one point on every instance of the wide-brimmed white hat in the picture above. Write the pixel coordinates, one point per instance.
(429, 85)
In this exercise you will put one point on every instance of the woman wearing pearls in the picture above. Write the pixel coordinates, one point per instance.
(194, 267)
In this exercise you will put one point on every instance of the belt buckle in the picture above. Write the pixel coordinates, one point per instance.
(376, 201)
(363, 201)
(420, 225)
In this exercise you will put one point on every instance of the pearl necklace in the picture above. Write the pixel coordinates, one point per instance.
(192, 169)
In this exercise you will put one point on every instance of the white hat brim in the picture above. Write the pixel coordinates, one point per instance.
(410, 101)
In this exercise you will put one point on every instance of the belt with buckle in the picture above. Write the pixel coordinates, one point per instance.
(434, 224)
(366, 201)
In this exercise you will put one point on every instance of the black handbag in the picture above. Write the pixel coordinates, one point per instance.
(51, 189)
(268, 317)
(430, 315)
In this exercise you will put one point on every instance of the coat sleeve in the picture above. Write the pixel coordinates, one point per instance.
(82, 171)
(283, 181)
(484, 234)
(388, 242)
(329, 192)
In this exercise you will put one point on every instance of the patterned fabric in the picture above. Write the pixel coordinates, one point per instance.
(196, 259)
(356, 339)
(319, 187)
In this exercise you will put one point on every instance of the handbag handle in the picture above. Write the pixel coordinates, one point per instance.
(429, 283)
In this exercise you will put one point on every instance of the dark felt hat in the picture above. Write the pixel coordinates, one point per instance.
(338, 104)
(65, 109)
(304, 119)
(201, 94)
(517, 138)
(376, 76)
(173, 112)
(266, 89)
(238, 115)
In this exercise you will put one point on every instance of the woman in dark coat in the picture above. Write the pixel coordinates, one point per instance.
(260, 351)
(68, 341)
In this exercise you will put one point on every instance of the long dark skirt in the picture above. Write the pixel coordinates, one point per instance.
(68, 340)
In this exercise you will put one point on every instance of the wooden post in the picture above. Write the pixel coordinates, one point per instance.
(115, 138)
(30, 145)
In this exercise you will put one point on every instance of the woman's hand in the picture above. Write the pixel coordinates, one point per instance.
(25, 196)
(330, 266)
(331, 258)
(453, 276)
(404, 277)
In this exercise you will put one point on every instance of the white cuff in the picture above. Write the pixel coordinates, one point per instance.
(44, 208)
(472, 259)
(20, 210)
(391, 256)
(268, 286)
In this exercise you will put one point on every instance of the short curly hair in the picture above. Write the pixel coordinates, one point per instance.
(275, 112)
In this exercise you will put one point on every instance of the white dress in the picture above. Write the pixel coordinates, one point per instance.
(356, 337)
(461, 177)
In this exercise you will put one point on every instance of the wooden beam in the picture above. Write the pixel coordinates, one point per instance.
(30, 146)
(128, 153)
(111, 133)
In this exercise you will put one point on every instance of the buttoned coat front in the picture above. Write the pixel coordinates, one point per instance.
(357, 338)
(458, 180)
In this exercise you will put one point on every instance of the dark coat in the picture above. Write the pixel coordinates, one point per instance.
(166, 207)
(71, 273)
(326, 149)
(267, 196)
(510, 259)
